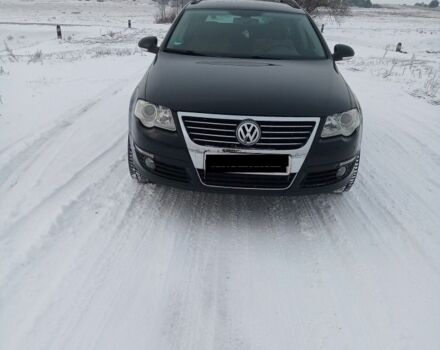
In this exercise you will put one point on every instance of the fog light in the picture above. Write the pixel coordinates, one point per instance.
(341, 172)
(149, 163)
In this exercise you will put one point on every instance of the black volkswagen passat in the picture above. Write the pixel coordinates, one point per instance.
(245, 96)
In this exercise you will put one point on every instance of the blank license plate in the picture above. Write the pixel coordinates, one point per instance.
(247, 163)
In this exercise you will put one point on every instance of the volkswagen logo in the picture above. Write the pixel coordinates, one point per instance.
(248, 133)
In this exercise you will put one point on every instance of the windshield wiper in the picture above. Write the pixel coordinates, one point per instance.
(185, 52)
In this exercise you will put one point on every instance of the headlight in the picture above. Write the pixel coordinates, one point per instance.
(341, 124)
(152, 115)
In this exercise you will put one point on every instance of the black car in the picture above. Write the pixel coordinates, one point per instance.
(245, 96)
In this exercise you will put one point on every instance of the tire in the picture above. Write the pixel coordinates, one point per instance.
(134, 172)
(354, 175)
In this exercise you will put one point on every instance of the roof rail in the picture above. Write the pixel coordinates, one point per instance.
(291, 3)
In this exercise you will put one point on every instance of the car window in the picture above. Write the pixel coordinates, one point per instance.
(246, 34)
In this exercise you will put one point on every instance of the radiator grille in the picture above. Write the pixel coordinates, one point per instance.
(218, 132)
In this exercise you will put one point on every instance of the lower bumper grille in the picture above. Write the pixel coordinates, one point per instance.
(248, 181)
(170, 172)
(325, 178)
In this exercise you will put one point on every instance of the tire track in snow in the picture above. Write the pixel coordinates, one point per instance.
(25, 234)
(28, 146)
(179, 298)
(389, 186)
(26, 156)
(65, 225)
(107, 260)
(45, 149)
(165, 210)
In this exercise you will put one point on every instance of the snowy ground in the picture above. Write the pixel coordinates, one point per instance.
(91, 260)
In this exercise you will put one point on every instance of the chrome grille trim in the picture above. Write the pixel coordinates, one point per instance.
(281, 144)
(214, 141)
(198, 152)
(291, 126)
(204, 122)
(276, 133)
(211, 128)
(203, 134)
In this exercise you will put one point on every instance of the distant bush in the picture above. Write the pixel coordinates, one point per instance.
(165, 14)
(10, 53)
(432, 4)
(361, 3)
(167, 10)
(103, 52)
(37, 56)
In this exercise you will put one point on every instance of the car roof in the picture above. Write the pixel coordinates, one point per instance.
(259, 5)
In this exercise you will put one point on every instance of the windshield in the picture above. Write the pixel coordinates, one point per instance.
(245, 34)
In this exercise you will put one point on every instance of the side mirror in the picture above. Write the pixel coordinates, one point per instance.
(343, 52)
(149, 43)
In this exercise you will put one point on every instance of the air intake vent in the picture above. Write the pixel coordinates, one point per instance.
(247, 180)
(325, 178)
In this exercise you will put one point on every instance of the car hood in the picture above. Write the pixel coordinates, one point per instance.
(247, 87)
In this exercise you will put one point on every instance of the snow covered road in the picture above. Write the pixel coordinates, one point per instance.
(89, 259)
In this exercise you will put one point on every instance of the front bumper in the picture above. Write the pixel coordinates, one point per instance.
(175, 162)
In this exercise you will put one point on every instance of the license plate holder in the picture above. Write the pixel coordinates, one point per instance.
(255, 164)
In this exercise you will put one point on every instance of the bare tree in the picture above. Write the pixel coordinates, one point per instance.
(167, 10)
(179, 4)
